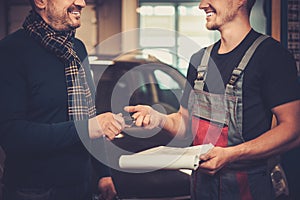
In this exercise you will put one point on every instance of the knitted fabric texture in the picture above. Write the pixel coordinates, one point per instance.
(80, 102)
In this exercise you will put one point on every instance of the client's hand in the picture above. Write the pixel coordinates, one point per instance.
(106, 188)
(109, 125)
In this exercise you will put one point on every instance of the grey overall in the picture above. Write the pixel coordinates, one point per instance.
(217, 119)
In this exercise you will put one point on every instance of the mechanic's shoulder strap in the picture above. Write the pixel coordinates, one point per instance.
(202, 68)
(242, 65)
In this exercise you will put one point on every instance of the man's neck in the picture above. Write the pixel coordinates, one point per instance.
(233, 35)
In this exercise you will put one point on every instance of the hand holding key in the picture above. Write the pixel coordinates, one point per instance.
(110, 124)
(146, 116)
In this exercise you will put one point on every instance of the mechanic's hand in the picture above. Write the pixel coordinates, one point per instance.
(110, 125)
(146, 116)
(214, 160)
(106, 188)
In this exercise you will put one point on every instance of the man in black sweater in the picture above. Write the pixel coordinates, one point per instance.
(47, 112)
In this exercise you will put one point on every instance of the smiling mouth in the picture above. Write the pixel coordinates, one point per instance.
(210, 14)
(76, 13)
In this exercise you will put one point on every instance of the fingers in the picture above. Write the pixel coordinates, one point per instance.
(130, 109)
(138, 110)
(140, 114)
(205, 157)
(136, 115)
(110, 124)
(138, 119)
(213, 161)
(146, 120)
(120, 121)
(107, 188)
(144, 116)
(111, 132)
(109, 195)
(205, 166)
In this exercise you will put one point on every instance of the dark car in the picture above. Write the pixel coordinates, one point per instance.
(138, 78)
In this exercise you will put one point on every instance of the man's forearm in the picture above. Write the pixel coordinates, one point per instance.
(274, 142)
(176, 123)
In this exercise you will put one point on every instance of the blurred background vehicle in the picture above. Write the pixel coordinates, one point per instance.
(139, 78)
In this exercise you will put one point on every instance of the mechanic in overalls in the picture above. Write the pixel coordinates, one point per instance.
(234, 88)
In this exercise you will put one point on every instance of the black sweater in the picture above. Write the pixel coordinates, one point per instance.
(42, 146)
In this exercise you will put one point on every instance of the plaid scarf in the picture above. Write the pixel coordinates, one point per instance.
(80, 102)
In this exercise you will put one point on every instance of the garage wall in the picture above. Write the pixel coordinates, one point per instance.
(129, 23)
(109, 24)
(100, 20)
(87, 32)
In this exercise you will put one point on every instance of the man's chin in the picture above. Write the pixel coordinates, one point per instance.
(69, 27)
(73, 23)
(211, 28)
(74, 26)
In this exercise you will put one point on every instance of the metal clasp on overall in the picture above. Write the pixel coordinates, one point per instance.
(236, 74)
